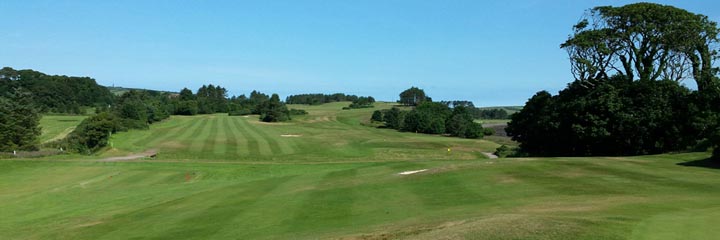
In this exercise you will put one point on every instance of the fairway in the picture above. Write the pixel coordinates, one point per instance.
(326, 175)
(327, 134)
(55, 127)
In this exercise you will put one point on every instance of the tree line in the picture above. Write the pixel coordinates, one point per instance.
(55, 93)
(319, 98)
(627, 97)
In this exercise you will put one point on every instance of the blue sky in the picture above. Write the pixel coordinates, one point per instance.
(492, 53)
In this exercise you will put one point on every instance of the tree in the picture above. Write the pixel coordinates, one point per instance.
(462, 124)
(273, 110)
(644, 40)
(19, 121)
(428, 117)
(413, 96)
(533, 127)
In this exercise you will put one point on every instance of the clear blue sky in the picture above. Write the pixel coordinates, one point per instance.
(492, 53)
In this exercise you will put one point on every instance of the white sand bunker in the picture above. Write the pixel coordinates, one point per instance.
(290, 135)
(412, 172)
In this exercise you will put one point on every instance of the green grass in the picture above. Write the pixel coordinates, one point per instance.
(219, 177)
(57, 127)
(327, 134)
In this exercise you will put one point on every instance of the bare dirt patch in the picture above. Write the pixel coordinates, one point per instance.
(412, 172)
(149, 153)
(291, 135)
(490, 155)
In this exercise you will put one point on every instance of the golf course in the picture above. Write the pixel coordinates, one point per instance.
(331, 174)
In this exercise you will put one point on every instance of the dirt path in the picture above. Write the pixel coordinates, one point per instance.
(148, 153)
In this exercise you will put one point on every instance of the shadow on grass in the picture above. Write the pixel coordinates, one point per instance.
(704, 163)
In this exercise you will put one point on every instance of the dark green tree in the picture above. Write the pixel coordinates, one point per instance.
(377, 116)
(394, 118)
(646, 41)
(273, 110)
(413, 96)
(19, 121)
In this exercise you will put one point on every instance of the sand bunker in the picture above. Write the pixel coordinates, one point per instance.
(412, 172)
(290, 135)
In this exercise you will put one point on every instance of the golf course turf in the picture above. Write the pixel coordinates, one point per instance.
(331, 175)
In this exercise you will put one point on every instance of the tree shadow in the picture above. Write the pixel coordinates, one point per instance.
(703, 163)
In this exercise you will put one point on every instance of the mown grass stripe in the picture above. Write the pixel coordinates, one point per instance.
(208, 144)
(232, 141)
(272, 143)
(196, 138)
(241, 140)
(252, 145)
(183, 129)
(158, 135)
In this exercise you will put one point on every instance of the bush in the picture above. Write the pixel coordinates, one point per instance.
(503, 151)
(240, 112)
(475, 130)
(488, 131)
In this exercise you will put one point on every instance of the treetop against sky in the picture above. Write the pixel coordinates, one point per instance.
(492, 53)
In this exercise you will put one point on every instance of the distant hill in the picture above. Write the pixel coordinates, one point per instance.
(509, 109)
(117, 91)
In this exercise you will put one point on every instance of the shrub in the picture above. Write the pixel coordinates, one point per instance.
(298, 112)
(240, 112)
(377, 116)
(488, 131)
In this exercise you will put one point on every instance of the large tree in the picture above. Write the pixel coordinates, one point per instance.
(413, 96)
(19, 121)
(645, 41)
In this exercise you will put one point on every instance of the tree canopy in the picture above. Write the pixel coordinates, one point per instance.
(19, 121)
(645, 41)
(54, 93)
(413, 97)
(626, 98)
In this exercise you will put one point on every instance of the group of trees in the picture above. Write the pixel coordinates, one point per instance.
(318, 98)
(208, 100)
(270, 108)
(627, 98)
(431, 118)
(132, 110)
(362, 102)
(56, 94)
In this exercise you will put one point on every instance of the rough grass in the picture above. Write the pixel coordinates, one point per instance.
(221, 177)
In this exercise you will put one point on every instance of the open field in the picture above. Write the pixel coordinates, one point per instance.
(326, 176)
(56, 127)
